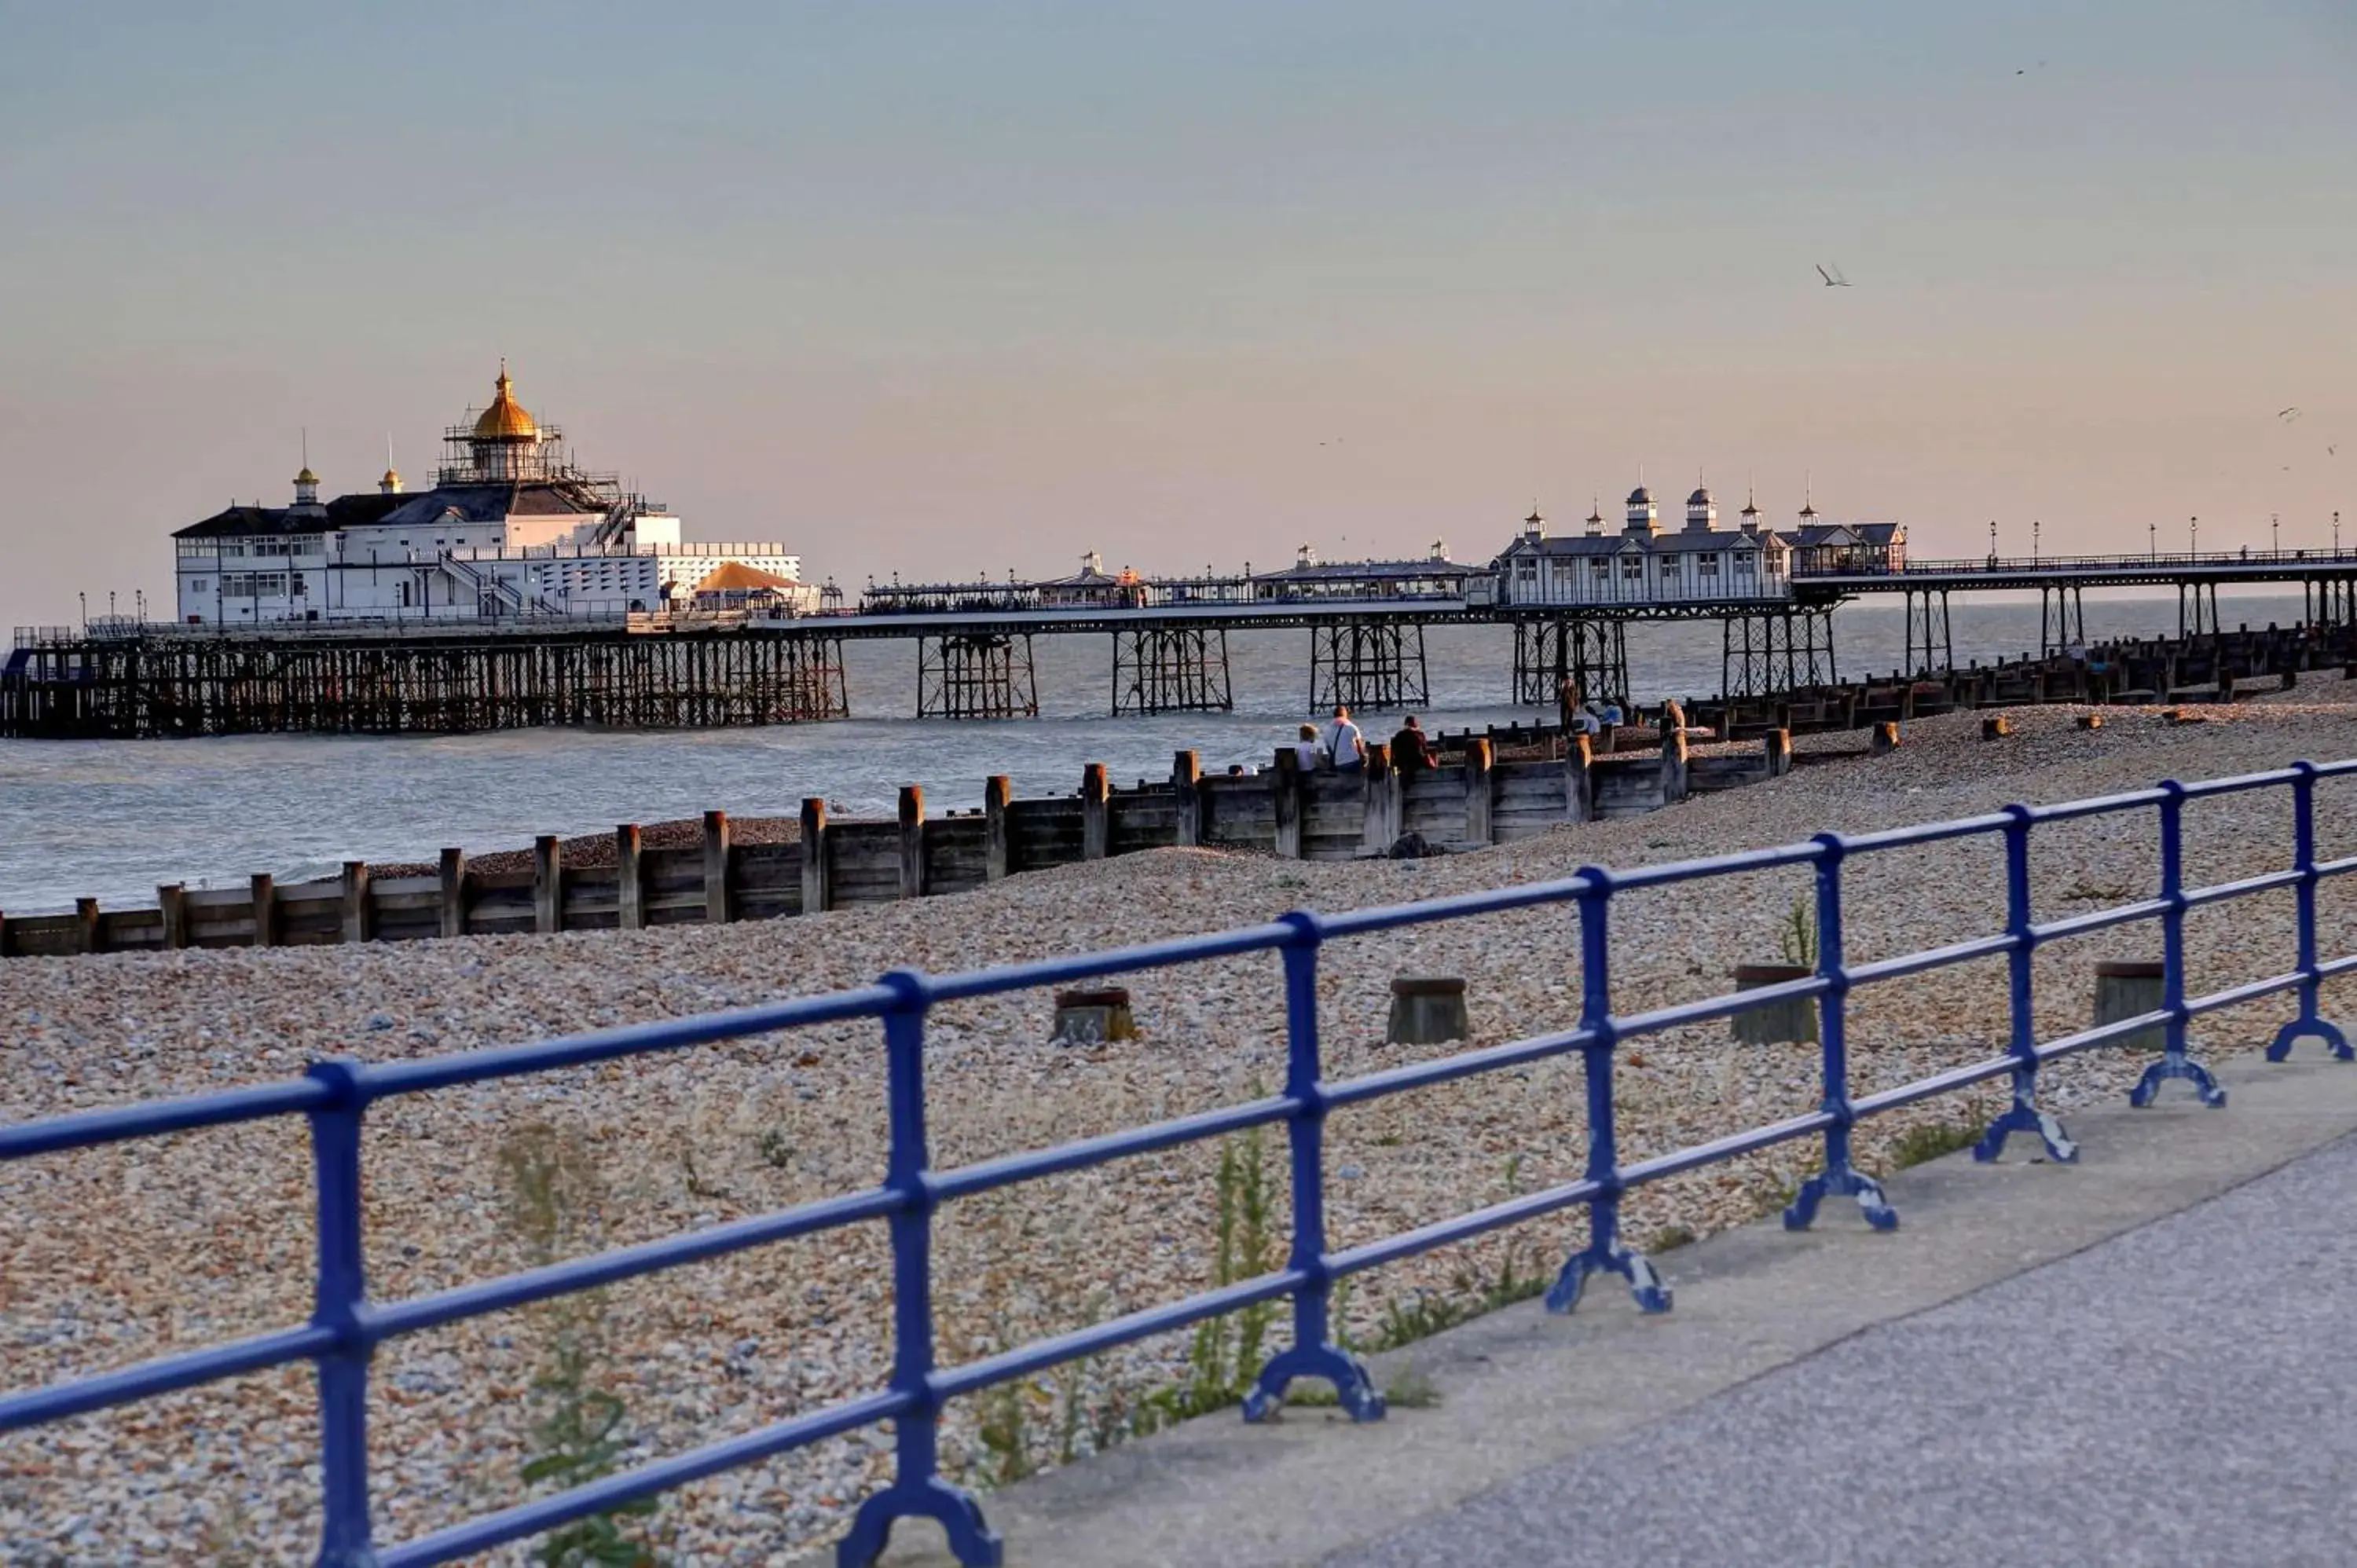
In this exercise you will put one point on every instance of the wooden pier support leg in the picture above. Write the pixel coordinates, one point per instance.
(1095, 817)
(996, 791)
(1481, 786)
(547, 884)
(87, 934)
(1187, 793)
(912, 841)
(815, 873)
(359, 913)
(454, 892)
(262, 890)
(1285, 802)
(716, 868)
(172, 898)
(630, 877)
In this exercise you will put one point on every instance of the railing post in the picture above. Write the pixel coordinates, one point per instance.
(1605, 1251)
(1839, 1178)
(1314, 1352)
(2174, 1062)
(2024, 1116)
(2309, 1022)
(917, 1488)
(339, 1297)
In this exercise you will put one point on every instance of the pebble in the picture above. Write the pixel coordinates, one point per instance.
(115, 1255)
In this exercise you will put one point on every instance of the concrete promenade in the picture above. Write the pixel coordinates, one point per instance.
(2150, 1357)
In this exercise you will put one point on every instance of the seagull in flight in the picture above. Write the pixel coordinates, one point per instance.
(1834, 279)
(2288, 414)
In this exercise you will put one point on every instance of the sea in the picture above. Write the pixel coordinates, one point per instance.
(114, 819)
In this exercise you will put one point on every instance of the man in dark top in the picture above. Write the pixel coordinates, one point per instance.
(1411, 747)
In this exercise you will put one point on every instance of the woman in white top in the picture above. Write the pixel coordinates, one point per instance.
(1307, 749)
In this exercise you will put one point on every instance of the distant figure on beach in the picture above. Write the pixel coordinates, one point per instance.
(1344, 744)
(1308, 750)
(1411, 747)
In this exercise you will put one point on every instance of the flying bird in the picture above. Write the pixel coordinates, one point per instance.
(2288, 414)
(1834, 279)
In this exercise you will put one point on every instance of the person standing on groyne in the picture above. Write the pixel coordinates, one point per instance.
(1344, 744)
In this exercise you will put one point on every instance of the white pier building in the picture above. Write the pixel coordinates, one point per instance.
(511, 529)
(1644, 564)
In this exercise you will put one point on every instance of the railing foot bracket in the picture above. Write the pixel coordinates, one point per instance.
(1841, 1182)
(1645, 1286)
(972, 1541)
(1353, 1388)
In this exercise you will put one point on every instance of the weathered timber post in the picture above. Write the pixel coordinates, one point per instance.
(996, 791)
(912, 841)
(1578, 780)
(1674, 754)
(630, 877)
(87, 935)
(1481, 802)
(262, 891)
(3, 935)
(454, 892)
(547, 884)
(716, 868)
(1427, 1009)
(816, 875)
(1776, 745)
(1187, 794)
(1906, 702)
(360, 915)
(1286, 802)
(2128, 988)
(172, 898)
(1096, 819)
(1384, 804)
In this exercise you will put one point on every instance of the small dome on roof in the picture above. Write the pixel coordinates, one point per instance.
(506, 419)
(1700, 497)
(307, 476)
(1641, 495)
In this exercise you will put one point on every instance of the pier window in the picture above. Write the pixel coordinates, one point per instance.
(1706, 566)
(1634, 569)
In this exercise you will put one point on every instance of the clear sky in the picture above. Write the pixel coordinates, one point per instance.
(943, 288)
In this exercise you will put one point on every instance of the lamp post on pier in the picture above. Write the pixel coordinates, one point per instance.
(1992, 542)
(2193, 535)
(2274, 528)
(2336, 533)
(2152, 539)
(2034, 526)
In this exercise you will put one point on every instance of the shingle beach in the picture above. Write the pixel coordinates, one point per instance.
(113, 1256)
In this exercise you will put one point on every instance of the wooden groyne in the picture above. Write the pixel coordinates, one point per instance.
(1467, 801)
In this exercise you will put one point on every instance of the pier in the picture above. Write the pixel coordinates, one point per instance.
(975, 644)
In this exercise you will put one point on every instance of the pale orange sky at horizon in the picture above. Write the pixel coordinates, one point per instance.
(937, 296)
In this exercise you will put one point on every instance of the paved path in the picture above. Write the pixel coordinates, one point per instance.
(2148, 1358)
(2182, 1394)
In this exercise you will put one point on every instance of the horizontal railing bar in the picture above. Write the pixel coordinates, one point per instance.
(165, 1375)
(2341, 867)
(1725, 1005)
(1389, 916)
(1734, 864)
(1928, 832)
(1930, 1088)
(115, 1124)
(1464, 1227)
(2119, 1029)
(1126, 1329)
(612, 1491)
(1119, 960)
(1444, 1069)
(2237, 783)
(1727, 1148)
(521, 1289)
(985, 1174)
(2218, 892)
(2104, 805)
(1933, 958)
(2335, 966)
(2236, 996)
(378, 1081)
(2099, 919)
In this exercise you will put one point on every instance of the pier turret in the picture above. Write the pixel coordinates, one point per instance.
(1702, 511)
(1644, 517)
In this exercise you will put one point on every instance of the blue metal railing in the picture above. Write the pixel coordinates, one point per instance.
(344, 1326)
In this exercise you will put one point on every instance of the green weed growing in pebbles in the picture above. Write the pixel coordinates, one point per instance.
(556, 1202)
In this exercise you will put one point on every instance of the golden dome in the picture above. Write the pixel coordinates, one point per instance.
(307, 476)
(506, 419)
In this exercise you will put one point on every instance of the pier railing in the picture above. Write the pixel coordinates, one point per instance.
(346, 1325)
